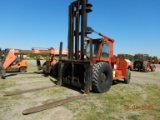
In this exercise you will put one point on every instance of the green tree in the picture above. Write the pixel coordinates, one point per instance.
(131, 57)
(154, 58)
(149, 57)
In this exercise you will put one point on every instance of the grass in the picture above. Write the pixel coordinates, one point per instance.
(6, 84)
(6, 103)
(121, 102)
(155, 74)
(54, 95)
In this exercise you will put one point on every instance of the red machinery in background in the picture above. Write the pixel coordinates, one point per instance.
(141, 63)
(50, 66)
(12, 60)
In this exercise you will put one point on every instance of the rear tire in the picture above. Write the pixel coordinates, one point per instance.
(66, 72)
(145, 65)
(102, 77)
(55, 70)
(128, 77)
(44, 67)
(22, 69)
(152, 67)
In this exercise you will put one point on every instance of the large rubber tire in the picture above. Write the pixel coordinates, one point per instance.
(66, 70)
(39, 67)
(55, 70)
(102, 77)
(145, 69)
(152, 67)
(128, 77)
(22, 69)
(43, 67)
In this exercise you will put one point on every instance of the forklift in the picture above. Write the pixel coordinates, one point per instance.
(90, 64)
(94, 67)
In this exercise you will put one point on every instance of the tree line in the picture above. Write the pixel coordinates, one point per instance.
(131, 57)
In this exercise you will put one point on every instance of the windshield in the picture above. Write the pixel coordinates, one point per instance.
(95, 47)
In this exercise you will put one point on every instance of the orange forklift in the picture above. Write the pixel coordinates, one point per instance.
(96, 68)
(12, 61)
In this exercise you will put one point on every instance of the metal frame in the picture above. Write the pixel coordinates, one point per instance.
(77, 31)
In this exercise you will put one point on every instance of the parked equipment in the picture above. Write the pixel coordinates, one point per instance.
(141, 63)
(90, 64)
(154, 61)
(127, 58)
(12, 60)
(50, 66)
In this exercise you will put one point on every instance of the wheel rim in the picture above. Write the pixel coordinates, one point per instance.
(103, 79)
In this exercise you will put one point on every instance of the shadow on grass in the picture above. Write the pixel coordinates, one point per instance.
(12, 74)
(9, 74)
(78, 89)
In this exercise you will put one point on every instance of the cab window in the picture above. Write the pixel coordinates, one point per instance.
(105, 50)
(95, 48)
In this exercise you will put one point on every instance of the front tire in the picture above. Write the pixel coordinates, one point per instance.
(128, 77)
(102, 77)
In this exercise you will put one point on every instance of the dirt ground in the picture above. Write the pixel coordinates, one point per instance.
(11, 107)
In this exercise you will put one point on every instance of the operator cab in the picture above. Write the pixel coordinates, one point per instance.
(99, 49)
